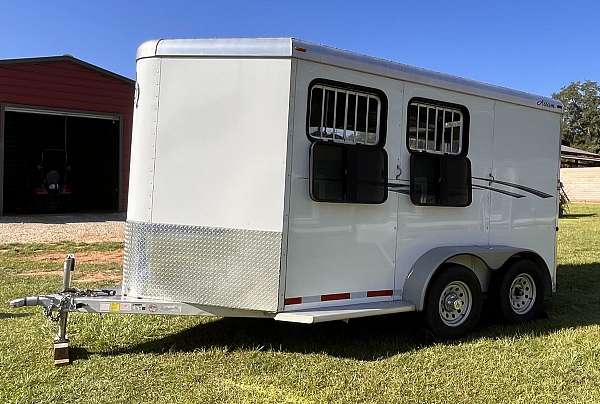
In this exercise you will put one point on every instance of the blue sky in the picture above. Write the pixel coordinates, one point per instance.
(533, 46)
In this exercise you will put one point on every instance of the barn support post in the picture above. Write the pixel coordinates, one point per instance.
(119, 206)
(2, 160)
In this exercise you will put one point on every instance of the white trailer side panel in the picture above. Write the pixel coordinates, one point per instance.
(526, 149)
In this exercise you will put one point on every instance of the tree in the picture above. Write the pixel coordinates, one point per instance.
(581, 119)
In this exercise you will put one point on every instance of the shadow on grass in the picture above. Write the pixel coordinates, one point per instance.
(577, 215)
(13, 315)
(577, 303)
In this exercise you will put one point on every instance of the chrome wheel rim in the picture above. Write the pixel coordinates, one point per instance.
(522, 293)
(455, 303)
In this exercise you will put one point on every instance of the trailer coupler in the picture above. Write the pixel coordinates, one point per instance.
(57, 307)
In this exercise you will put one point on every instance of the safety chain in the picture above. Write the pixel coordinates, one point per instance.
(53, 311)
(89, 292)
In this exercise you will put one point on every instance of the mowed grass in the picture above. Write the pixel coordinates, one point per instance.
(179, 359)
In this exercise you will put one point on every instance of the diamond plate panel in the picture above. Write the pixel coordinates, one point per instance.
(212, 266)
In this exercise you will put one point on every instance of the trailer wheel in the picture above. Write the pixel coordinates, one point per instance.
(453, 303)
(521, 291)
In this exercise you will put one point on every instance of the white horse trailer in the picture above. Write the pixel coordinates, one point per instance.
(279, 178)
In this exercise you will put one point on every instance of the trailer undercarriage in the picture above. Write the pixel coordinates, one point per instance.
(57, 306)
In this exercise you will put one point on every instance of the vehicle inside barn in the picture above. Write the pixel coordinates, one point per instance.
(60, 163)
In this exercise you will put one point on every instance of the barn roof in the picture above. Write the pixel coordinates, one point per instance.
(573, 150)
(570, 155)
(67, 58)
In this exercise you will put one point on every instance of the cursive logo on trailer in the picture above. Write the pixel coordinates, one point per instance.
(547, 104)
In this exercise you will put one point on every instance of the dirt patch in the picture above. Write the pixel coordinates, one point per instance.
(91, 257)
(41, 273)
(100, 277)
(83, 227)
(86, 278)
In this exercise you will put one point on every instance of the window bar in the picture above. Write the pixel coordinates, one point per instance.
(333, 130)
(427, 129)
(435, 130)
(322, 128)
(443, 143)
(346, 118)
(417, 137)
(355, 114)
(452, 132)
(378, 124)
(367, 121)
(460, 132)
(454, 116)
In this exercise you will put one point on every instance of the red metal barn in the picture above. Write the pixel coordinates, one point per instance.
(65, 135)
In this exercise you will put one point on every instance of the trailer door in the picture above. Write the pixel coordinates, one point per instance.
(341, 232)
(444, 136)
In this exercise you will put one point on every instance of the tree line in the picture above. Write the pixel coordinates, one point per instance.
(580, 126)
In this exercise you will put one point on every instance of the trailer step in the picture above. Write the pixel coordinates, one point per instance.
(310, 316)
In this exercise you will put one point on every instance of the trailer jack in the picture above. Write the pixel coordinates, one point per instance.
(57, 307)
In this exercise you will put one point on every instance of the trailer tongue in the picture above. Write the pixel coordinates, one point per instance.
(57, 306)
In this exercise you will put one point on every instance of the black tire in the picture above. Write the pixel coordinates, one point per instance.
(438, 315)
(514, 308)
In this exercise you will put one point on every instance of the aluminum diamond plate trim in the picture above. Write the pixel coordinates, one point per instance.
(231, 268)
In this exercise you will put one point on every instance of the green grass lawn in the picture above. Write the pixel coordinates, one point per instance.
(179, 359)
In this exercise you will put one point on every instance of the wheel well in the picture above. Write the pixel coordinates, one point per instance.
(473, 262)
(482, 276)
(485, 273)
(483, 261)
(539, 261)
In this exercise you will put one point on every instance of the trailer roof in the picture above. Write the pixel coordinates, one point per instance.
(290, 47)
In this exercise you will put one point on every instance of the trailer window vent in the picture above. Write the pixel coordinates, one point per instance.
(435, 128)
(344, 115)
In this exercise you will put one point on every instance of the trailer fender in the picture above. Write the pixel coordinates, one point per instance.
(484, 261)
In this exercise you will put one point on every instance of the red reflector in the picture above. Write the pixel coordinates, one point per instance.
(375, 293)
(335, 296)
(292, 300)
(300, 49)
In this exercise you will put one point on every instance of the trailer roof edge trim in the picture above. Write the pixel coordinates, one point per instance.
(254, 47)
(290, 47)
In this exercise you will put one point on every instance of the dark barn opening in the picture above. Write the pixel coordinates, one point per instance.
(65, 136)
(59, 163)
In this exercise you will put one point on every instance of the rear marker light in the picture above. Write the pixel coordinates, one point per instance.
(335, 296)
(377, 293)
(292, 300)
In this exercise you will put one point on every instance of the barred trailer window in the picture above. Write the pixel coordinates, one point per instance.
(344, 115)
(435, 128)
